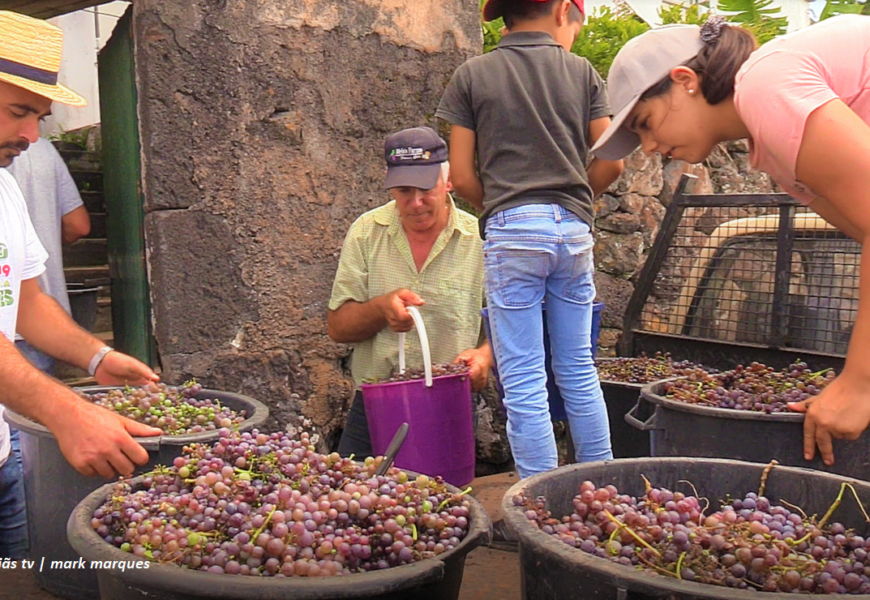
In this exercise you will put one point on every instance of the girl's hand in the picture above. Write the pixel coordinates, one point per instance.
(841, 411)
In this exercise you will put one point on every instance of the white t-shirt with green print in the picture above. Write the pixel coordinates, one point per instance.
(22, 257)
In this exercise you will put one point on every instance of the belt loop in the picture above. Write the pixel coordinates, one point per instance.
(557, 213)
(501, 218)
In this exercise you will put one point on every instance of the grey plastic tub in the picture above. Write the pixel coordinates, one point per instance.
(431, 579)
(552, 570)
(53, 488)
(620, 397)
(681, 429)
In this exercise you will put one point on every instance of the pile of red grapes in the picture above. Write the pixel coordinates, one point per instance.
(175, 410)
(748, 544)
(438, 370)
(756, 387)
(269, 505)
(644, 369)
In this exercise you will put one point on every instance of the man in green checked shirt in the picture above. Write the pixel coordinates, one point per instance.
(420, 250)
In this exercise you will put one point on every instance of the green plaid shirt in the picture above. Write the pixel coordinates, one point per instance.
(376, 259)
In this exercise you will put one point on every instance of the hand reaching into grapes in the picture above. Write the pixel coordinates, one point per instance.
(840, 411)
(120, 369)
(96, 441)
(397, 316)
(479, 361)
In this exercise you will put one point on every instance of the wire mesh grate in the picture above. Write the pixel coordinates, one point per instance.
(731, 274)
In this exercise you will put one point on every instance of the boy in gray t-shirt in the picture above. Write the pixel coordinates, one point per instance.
(529, 110)
(59, 217)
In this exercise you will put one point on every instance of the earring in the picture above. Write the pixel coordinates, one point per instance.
(691, 91)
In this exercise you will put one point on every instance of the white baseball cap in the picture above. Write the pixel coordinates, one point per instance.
(640, 64)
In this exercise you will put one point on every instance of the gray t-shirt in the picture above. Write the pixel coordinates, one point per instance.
(50, 193)
(529, 103)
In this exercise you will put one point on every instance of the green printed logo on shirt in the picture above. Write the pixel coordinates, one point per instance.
(4, 253)
(6, 297)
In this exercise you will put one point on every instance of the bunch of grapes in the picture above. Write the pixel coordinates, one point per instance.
(644, 369)
(438, 370)
(175, 410)
(747, 544)
(268, 505)
(756, 387)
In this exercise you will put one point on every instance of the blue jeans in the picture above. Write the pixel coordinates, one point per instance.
(13, 517)
(37, 358)
(535, 253)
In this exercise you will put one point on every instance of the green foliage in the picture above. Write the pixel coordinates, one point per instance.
(604, 34)
(608, 29)
(491, 31)
(845, 7)
(680, 13)
(764, 21)
(77, 138)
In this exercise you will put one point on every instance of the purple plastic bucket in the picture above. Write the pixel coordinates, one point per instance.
(441, 432)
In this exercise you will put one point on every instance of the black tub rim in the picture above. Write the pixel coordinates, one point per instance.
(620, 576)
(91, 546)
(650, 392)
(259, 415)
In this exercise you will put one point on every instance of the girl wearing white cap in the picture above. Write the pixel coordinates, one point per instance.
(803, 100)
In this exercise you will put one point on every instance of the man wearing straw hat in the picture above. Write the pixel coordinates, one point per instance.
(420, 250)
(94, 440)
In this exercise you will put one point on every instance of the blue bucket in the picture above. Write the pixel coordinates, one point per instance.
(554, 398)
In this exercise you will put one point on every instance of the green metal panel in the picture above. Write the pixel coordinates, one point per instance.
(131, 308)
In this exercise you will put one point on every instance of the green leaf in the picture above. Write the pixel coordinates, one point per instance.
(680, 13)
(604, 34)
(844, 7)
(764, 21)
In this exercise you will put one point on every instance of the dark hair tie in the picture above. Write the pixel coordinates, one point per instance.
(712, 29)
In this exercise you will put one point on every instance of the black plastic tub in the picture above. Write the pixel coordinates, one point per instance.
(680, 429)
(626, 441)
(53, 488)
(431, 579)
(83, 304)
(552, 570)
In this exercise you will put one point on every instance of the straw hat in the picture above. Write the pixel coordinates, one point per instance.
(30, 52)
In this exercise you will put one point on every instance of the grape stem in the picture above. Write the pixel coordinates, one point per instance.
(697, 495)
(834, 506)
(654, 566)
(680, 565)
(263, 526)
(451, 497)
(764, 476)
(795, 507)
(414, 531)
(632, 533)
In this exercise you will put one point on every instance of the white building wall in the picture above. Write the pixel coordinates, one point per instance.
(84, 33)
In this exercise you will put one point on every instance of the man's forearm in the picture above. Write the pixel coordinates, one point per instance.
(356, 321)
(46, 326)
(29, 392)
(602, 173)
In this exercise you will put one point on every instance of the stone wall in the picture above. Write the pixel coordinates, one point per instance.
(629, 215)
(262, 132)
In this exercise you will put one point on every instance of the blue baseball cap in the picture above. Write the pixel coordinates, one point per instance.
(414, 158)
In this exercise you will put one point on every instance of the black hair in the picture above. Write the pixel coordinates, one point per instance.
(516, 11)
(725, 50)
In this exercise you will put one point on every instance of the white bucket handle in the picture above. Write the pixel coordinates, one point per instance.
(424, 344)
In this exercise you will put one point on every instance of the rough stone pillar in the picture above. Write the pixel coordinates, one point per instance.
(262, 133)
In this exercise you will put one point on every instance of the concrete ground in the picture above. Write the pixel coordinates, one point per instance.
(489, 574)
